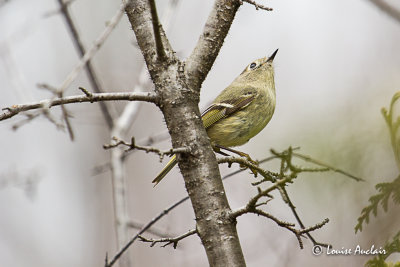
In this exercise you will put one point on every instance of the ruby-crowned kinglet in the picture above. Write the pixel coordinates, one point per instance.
(240, 111)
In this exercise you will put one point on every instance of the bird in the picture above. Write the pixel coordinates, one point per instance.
(240, 111)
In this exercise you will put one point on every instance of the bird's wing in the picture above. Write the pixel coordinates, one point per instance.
(223, 109)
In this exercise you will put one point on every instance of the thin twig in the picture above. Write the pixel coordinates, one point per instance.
(169, 240)
(257, 6)
(252, 205)
(285, 197)
(148, 149)
(270, 176)
(148, 141)
(95, 97)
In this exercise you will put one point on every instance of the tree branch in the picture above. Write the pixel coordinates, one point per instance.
(208, 46)
(156, 30)
(179, 96)
(93, 97)
(150, 35)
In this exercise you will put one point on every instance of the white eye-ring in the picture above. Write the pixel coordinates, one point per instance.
(253, 65)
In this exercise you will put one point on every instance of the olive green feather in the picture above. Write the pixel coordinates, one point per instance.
(240, 111)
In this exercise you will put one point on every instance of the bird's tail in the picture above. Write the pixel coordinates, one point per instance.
(164, 171)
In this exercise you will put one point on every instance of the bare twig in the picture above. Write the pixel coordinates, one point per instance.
(388, 9)
(269, 176)
(286, 199)
(95, 97)
(148, 149)
(169, 240)
(252, 205)
(261, 193)
(257, 6)
(148, 141)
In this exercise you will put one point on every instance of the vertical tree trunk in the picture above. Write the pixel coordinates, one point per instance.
(178, 86)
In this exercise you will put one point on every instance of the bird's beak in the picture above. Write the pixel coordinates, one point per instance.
(271, 58)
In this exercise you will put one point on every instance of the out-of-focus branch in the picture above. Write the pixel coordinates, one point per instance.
(98, 43)
(144, 229)
(65, 113)
(288, 154)
(120, 129)
(92, 97)
(152, 230)
(93, 79)
(388, 9)
(83, 61)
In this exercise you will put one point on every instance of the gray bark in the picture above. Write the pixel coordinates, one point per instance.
(177, 85)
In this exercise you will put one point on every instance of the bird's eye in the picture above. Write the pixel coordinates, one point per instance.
(253, 65)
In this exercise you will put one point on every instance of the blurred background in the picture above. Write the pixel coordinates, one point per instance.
(338, 65)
